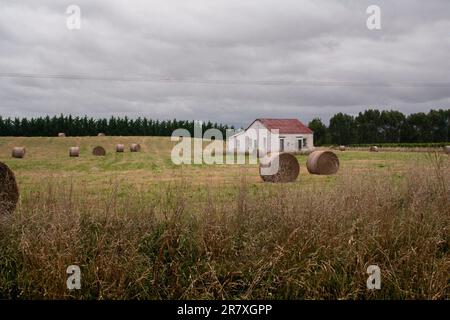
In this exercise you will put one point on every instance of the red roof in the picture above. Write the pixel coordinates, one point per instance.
(286, 126)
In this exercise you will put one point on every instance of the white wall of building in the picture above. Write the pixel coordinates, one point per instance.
(297, 142)
(257, 137)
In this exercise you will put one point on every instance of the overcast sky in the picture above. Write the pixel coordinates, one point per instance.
(228, 40)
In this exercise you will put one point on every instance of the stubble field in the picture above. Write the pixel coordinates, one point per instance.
(141, 227)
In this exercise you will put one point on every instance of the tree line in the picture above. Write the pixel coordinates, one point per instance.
(84, 126)
(369, 126)
(387, 126)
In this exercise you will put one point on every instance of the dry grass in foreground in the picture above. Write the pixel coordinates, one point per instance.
(286, 241)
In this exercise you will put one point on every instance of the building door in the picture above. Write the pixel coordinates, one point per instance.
(300, 144)
(281, 144)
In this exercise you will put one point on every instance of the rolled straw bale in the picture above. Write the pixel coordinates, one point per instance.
(101, 134)
(287, 169)
(342, 148)
(135, 147)
(74, 151)
(322, 162)
(99, 151)
(18, 152)
(120, 148)
(61, 134)
(9, 191)
(373, 149)
(447, 149)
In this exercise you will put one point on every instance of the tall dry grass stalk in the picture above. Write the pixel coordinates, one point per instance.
(252, 242)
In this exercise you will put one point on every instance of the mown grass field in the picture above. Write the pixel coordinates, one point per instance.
(48, 158)
(141, 227)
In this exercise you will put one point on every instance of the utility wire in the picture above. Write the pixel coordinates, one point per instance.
(300, 83)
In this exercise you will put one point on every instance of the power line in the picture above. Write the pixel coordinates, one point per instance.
(299, 83)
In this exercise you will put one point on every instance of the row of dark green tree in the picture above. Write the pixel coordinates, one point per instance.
(387, 126)
(84, 126)
(370, 126)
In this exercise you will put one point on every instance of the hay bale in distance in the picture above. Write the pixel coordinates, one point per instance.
(135, 147)
(101, 134)
(322, 162)
(9, 191)
(61, 134)
(288, 168)
(18, 152)
(342, 148)
(74, 151)
(99, 151)
(447, 149)
(373, 149)
(120, 148)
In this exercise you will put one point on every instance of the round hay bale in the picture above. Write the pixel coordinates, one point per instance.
(9, 191)
(61, 134)
(373, 149)
(74, 151)
(322, 162)
(342, 148)
(99, 151)
(101, 134)
(287, 170)
(447, 149)
(135, 147)
(120, 148)
(18, 152)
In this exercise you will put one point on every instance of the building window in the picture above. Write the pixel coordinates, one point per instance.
(281, 144)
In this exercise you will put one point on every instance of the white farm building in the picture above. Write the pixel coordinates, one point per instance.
(272, 135)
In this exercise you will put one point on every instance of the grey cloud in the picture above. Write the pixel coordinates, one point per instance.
(228, 40)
